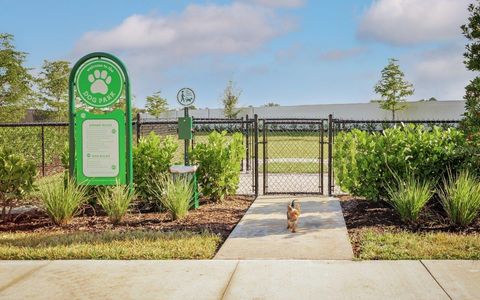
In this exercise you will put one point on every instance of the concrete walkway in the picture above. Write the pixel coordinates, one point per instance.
(217, 279)
(262, 233)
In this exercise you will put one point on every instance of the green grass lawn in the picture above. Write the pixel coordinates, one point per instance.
(108, 245)
(408, 245)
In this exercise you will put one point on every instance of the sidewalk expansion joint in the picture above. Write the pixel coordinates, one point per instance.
(230, 280)
(22, 277)
(438, 283)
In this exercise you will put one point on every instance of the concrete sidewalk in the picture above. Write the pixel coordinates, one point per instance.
(262, 232)
(231, 279)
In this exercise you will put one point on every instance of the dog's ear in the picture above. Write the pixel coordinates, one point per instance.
(290, 208)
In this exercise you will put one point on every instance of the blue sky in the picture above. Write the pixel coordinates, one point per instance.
(284, 51)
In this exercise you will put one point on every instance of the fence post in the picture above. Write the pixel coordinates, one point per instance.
(255, 128)
(247, 139)
(330, 142)
(138, 128)
(43, 150)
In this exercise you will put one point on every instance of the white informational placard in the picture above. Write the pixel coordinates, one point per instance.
(100, 148)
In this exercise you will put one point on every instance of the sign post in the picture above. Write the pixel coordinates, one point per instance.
(100, 142)
(186, 97)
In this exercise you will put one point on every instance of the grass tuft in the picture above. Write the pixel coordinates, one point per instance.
(460, 198)
(62, 201)
(409, 197)
(174, 194)
(115, 200)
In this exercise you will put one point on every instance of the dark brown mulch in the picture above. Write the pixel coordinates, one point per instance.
(361, 214)
(218, 218)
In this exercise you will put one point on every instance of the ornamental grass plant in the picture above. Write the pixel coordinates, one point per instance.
(62, 201)
(116, 200)
(174, 194)
(460, 197)
(409, 196)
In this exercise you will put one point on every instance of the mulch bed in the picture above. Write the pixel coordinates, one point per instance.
(361, 214)
(218, 218)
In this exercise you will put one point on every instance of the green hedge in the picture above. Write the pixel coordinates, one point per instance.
(364, 163)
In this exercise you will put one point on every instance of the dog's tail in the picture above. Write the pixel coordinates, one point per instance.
(292, 204)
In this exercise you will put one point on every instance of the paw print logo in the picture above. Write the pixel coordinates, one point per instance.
(99, 81)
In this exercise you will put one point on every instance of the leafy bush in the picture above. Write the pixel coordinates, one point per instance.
(409, 196)
(219, 164)
(62, 201)
(115, 200)
(27, 140)
(174, 194)
(17, 175)
(460, 198)
(151, 158)
(364, 163)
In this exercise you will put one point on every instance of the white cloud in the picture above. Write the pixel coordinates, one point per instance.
(404, 22)
(279, 3)
(441, 74)
(198, 30)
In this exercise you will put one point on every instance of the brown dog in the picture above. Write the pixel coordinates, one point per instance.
(293, 212)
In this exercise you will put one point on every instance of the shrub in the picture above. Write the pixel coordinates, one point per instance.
(62, 201)
(409, 196)
(16, 179)
(115, 200)
(151, 158)
(362, 160)
(460, 198)
(219, 164)
(174, 194)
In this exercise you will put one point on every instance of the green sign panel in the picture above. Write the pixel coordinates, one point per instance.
(100, 151)
(100, 148)
(99, 83)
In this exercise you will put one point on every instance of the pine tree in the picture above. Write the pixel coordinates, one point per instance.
(156, 105)
(230, 101)
(393, 88)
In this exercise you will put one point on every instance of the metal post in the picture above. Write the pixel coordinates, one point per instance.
(243, 132)
(139, 132)
(43, 150)
(330, 142)
(255, 128)
(185, 149)
(264, 157)
(322, 154)
(247, 139)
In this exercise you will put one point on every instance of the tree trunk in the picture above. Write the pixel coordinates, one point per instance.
(393, 115)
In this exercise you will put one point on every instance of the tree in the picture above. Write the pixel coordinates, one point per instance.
(15, 81)
(271, 104)
(53, 84)
(230, 101)
(471, 118)
(471, 30)
(392, 88)
(156, 105)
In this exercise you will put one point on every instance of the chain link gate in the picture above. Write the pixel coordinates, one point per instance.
(295, 156)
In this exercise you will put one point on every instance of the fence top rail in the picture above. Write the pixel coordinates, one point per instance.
(396, 121)
(35, 124)
(293, 121)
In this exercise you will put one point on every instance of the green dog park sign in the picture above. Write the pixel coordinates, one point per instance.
(100, 142)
